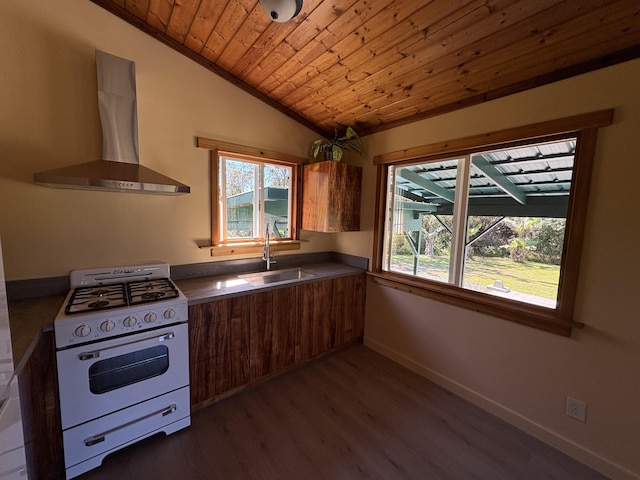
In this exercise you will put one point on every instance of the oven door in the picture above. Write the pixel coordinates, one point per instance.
(106, 376)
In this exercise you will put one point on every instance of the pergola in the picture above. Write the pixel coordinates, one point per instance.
(532, 181)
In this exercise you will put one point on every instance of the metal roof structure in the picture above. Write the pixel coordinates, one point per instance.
(531, 181)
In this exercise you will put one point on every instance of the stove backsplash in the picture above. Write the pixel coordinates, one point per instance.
(49, 286)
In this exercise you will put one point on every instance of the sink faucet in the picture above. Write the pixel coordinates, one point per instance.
(266, 255)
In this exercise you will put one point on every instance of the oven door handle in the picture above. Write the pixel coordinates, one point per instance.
(101, 437)
(96, 353)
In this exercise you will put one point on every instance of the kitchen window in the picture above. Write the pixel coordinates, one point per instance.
(492, 223)
(252, 190)
(254, 195)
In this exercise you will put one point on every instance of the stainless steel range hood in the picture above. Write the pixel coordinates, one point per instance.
(119, 170)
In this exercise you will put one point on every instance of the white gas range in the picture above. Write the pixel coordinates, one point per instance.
(123, 361)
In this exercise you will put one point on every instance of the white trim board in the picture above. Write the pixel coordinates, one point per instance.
(574, 450)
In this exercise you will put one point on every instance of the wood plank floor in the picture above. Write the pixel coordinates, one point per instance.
(351, 415)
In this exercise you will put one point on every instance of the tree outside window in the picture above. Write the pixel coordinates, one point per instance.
(256, 195)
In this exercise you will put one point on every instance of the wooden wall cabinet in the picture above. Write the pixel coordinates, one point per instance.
(331, 197)
(239, 341)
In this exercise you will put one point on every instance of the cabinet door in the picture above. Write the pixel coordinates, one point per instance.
(317, 320)
(331, 197)
(331, 315)
(219, 348)
(41, 410)
(348, 306)
(273, 328)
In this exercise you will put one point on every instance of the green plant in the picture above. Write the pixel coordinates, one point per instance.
(522, 240)
(334, 148)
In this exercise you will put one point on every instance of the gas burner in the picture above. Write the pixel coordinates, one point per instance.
(152, 295)
(152, 290)
(98, 304)
(98, 297)
(99, 292)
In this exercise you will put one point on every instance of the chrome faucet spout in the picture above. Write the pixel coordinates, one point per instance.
(266, 252)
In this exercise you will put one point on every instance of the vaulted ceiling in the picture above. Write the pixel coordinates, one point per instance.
(377, 64)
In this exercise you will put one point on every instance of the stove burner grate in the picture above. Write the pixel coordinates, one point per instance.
(103, 297)
(151, 291)
(99, 304)
(152, 295)
(99, 297)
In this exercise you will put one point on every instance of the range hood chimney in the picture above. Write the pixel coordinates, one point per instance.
(119, 170)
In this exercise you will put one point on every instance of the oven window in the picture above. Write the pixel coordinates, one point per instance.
(117, 372)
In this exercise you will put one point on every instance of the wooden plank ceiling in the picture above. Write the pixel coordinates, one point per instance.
(376, 64)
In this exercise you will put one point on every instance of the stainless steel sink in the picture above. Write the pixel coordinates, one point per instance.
(276, 276)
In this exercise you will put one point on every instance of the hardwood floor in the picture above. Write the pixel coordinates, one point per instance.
(351, 415)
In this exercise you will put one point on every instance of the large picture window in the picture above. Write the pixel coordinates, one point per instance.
(490, 221)
(490, 225)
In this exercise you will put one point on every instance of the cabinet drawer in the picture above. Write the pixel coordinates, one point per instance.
(87, 444)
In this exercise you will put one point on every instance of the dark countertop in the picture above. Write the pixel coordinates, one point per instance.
(28, 317)
(205, 289)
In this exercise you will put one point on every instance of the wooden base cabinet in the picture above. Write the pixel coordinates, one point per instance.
(273, 328)
(332, 315)
(219, 348)
(239, 341)
(348, 297)
(37, 378)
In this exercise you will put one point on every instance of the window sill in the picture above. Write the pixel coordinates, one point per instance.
(251, 248)
(525, 314)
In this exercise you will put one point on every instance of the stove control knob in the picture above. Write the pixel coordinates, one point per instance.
(107, 326)
(82, 330)
(169, 313)
(130, 321)
(150, 317)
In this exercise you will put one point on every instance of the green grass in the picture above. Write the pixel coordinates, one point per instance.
(538, 279)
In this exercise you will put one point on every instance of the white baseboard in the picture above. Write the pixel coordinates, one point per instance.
(574, 450)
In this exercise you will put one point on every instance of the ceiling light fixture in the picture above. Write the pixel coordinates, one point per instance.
(281, 10)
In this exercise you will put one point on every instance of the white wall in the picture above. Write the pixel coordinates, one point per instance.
(518, 372)
(49, 119)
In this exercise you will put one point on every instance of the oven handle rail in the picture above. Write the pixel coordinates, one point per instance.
(96, 353)
(101, 437)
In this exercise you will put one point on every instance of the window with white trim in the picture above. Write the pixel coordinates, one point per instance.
(489, 221)
(254, 195)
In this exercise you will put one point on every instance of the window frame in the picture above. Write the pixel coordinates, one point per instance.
(559, 320)
(219, 149)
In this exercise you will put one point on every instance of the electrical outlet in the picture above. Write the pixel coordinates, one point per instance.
(576, 409)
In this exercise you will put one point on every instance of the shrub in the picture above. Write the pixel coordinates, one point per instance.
(400, 245)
